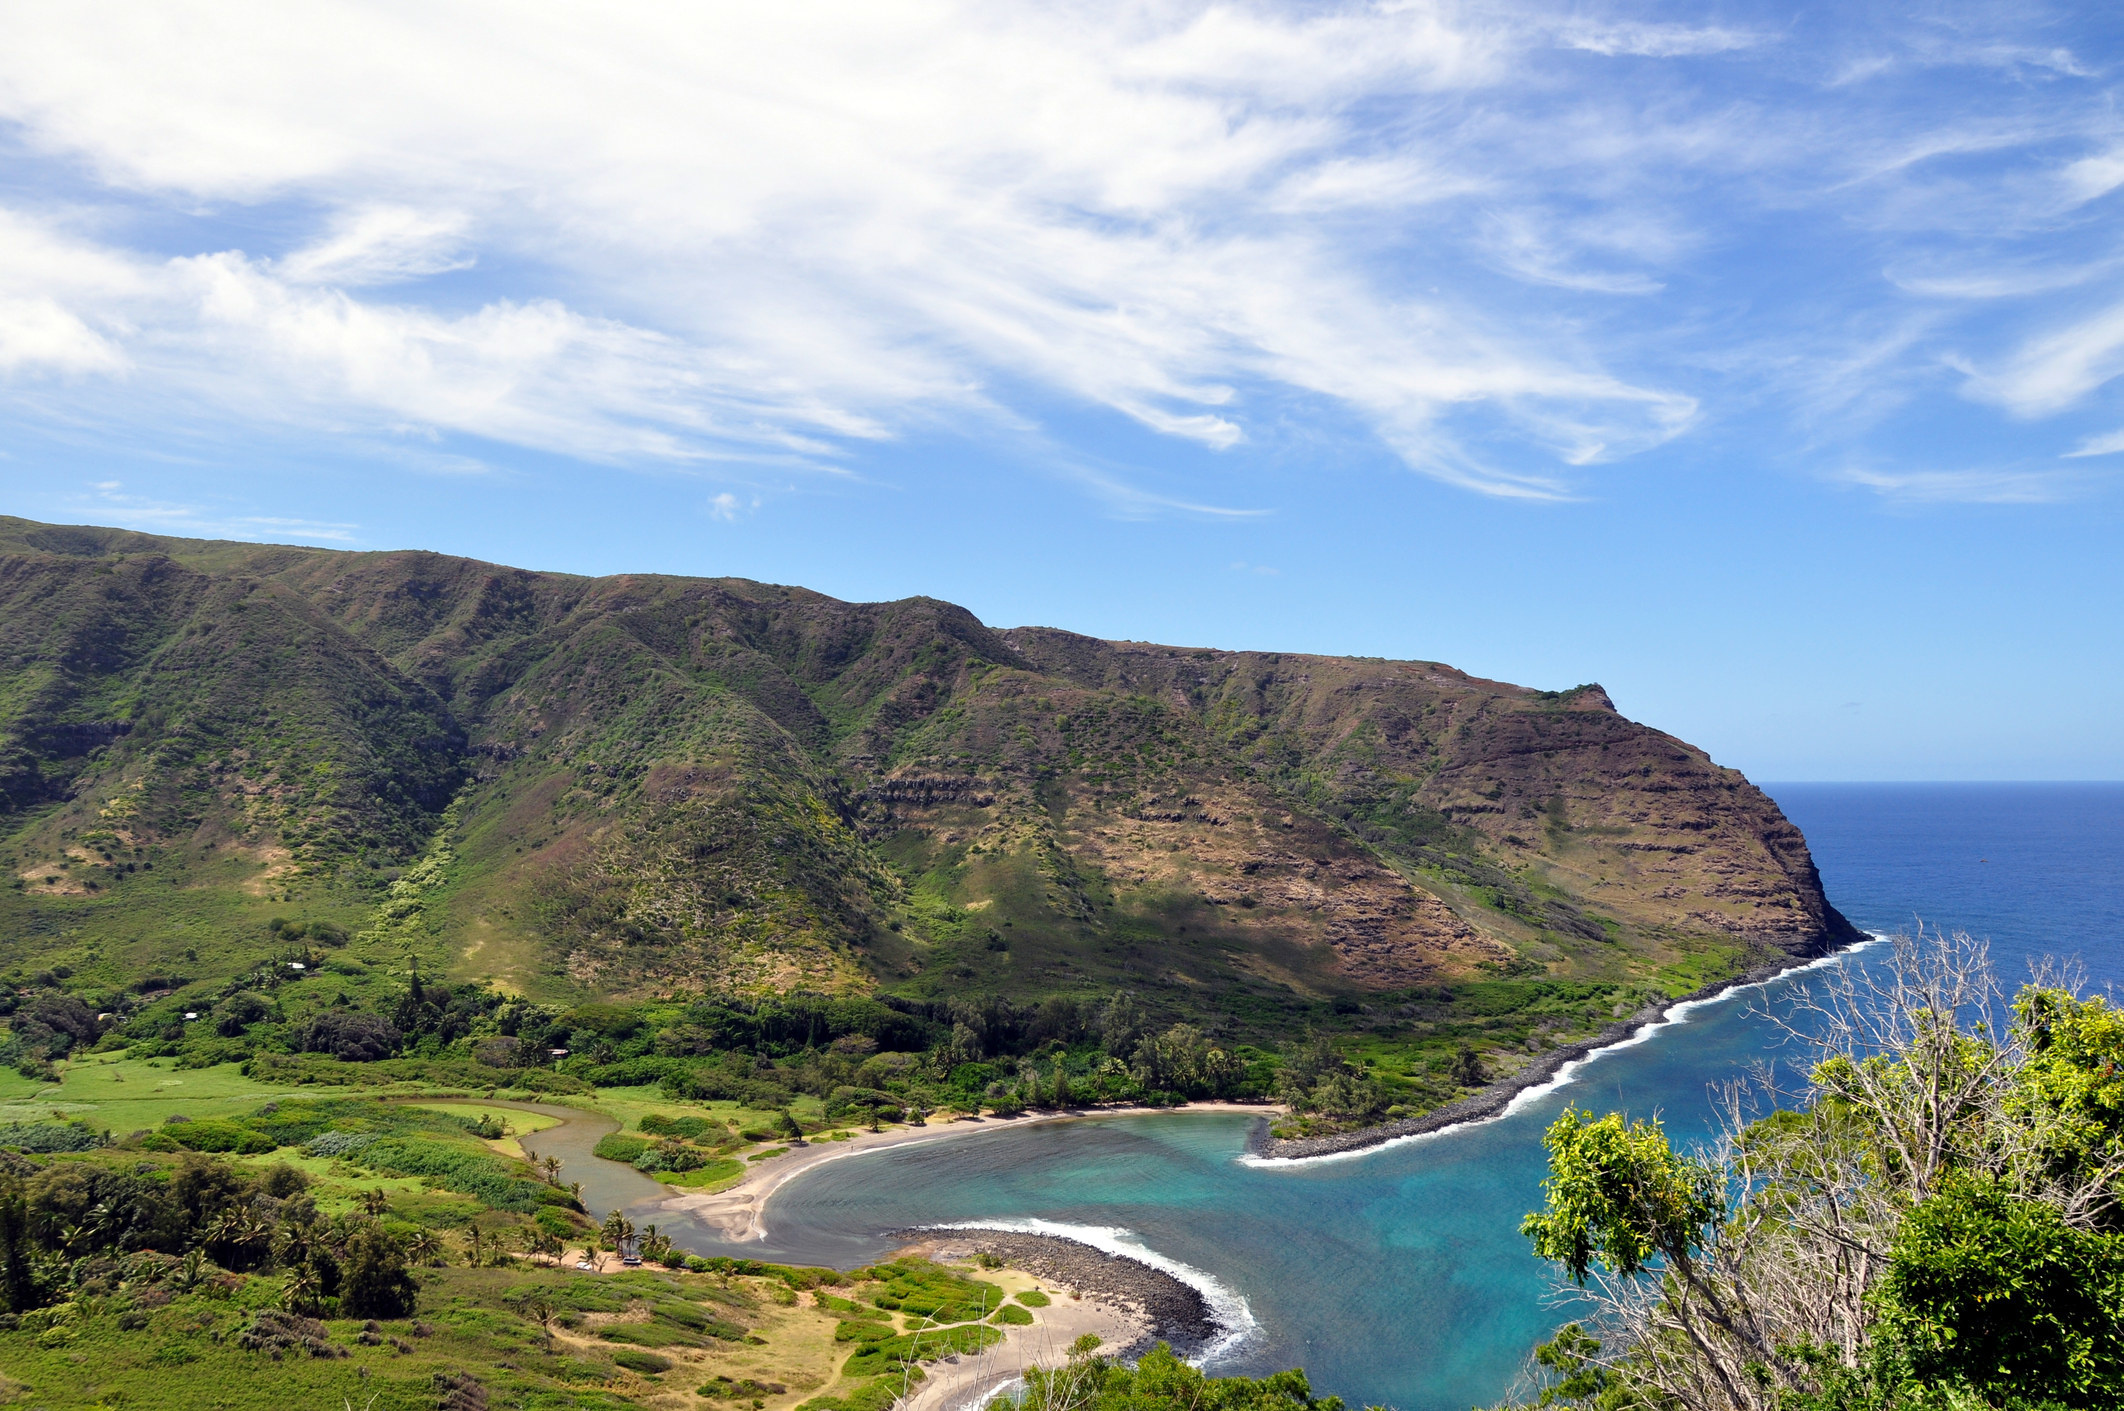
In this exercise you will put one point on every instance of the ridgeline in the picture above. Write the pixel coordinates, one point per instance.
(634, 804)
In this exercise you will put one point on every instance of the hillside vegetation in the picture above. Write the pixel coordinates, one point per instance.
(604, 812)
(1931, 1224)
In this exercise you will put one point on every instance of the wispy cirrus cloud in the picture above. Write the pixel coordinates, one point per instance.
(1498, 238)
(110, 502)
(1984, 486)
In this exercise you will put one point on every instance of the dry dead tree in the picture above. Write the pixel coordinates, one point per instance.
(1913, 1065)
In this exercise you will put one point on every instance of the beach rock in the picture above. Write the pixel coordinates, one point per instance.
(1175, 1312)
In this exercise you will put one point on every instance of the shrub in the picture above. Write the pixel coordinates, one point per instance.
(44, 1138)
(623, 1149)
(376, 1283)
(337, 1143)
(647, 1363)
(219, 1134)
(347, 1036)
(1012, 1314)
(480, 1174)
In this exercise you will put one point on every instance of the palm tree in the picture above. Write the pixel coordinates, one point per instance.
(553, 1169)
(541, 1312)
(655, 1245)
(104, 1224)
(375, 1201)
(617, 1229)
(300, 1291)
(297, 1242)
(191, 1273)
(425, 1248)
(472, 1238)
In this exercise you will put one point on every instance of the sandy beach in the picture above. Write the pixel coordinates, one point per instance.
(1126, 1304)
(739, 1212)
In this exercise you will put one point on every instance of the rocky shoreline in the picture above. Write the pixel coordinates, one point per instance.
(1493, 1099)
(1174, 1312)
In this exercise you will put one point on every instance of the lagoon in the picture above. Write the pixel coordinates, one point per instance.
(1398, 1277)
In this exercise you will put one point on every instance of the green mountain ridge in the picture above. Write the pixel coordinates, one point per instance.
(639, 786)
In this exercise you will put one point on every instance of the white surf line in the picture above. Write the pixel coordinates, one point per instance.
(1566, 1075)
(1228, 1307)
(979, 1399)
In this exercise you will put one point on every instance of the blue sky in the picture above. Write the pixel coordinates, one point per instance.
(1760, 363)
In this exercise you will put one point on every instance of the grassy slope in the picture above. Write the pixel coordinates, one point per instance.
(476, 1320)
(664, 785)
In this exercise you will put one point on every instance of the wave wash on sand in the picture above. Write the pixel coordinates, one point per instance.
(1362, 1144)
(1227, 1307)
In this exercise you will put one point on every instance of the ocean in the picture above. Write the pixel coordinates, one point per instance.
(1398, 1277)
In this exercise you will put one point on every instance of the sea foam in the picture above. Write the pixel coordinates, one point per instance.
(1228, 1308)
(1569, 1072)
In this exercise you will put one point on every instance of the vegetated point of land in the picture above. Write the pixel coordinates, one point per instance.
(638, 788)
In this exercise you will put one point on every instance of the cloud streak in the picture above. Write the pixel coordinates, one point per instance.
(1489, 236)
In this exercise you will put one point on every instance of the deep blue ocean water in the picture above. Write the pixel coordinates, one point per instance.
(1398, 1277)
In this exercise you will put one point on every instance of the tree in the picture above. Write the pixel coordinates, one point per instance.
(788, 1125)
(300, 1292)
(376, 1283)
(424, 1248)
(18, 1278)
(1998, 1294)
(1930, 1223)
(1619, 1195)
(540, 1312)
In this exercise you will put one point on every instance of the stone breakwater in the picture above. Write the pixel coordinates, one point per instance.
(1495, 1098)
(1174, 1312)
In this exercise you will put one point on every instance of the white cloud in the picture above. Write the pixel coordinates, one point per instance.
(111, 503)
(776, 233)
(1659, 41)
(795, 225)
(2057, 369)
(382, 245)
(2106, 445)
(40, 335)
(1965, 487)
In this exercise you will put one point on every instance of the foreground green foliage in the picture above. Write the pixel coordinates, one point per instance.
(1938, 1226)
(1162, 1382)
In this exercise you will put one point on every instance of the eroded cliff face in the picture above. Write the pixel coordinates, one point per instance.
(642, 784)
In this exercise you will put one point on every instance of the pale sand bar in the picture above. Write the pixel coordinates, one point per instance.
(739, 1212)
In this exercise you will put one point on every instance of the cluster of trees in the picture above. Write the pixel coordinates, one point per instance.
(47, 1025)
(1314, 1078)
(1160, 1381)
(1934, 1223)
(866, 1058)
(83, 1227)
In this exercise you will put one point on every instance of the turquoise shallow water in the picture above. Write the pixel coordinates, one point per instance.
(1398, 1277)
